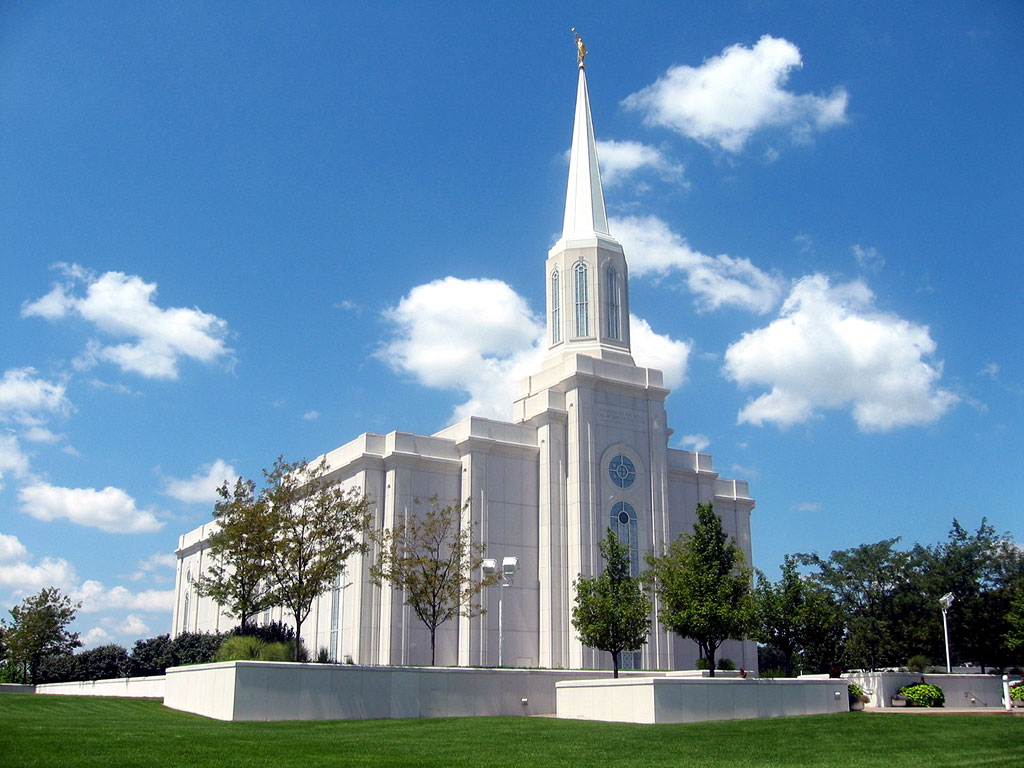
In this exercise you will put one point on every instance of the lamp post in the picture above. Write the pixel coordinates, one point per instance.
(945, 601)
(509, 566)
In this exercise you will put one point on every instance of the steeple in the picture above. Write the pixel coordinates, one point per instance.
(587, 277)
(584, 198)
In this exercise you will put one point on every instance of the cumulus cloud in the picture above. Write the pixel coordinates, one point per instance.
(24, 397)
(715, 281)
(831, 349)
(94, 598)
(480, 337)
(202, 487)
(12, 459)
(96, 637)
(620, 159)
(111, 509)
(122, 307)
(156, 566)
(133, 625)
(730, 97)
(11, 549)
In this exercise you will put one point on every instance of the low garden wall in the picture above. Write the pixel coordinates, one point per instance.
(676, 699)
(262, 690)
(959, 690)
(124, 687)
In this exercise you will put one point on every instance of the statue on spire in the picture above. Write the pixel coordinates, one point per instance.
(581, 48)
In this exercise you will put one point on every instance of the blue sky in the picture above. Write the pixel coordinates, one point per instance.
(236, 231)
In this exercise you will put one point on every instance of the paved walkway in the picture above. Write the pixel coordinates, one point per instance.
(946, 710)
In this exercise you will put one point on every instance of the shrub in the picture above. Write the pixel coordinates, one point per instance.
(277, 652)
(856, 692)
(240, 648)
(274, 632)
(923, 695)
(918, 663)
(323, 656)
(1017, 691)
(150, 656)
(726, 663)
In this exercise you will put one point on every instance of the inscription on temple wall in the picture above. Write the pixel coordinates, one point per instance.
(621, 417)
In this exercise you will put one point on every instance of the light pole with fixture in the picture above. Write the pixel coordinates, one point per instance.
(509, 566)
(945, 601)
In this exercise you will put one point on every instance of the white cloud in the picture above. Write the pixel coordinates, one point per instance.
(111, 509)
(96, 637)
(716, 281)
(311, 415)
(653, 350)
(619, 159)
(158, 566)
(202, 487)
(122, 306)
(11, 549)
(475, 336)
(24, 397)
(831, 349)
(729, 97)
(12, 460)
(808, 506)
(480, 337)
(133, 625)
(696, 442)
(25, 578)
(95, 598)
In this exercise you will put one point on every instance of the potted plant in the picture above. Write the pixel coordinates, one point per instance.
(857, 697)
(1017, 694)
(898, 699)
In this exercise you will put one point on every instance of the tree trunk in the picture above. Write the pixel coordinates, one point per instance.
(298, 637)
(615, 664)
(433, 630)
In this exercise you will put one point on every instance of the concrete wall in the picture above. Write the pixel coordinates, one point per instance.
(960, 690)
(16, 688)
(254, 690)
(124, 687)
(691, 700)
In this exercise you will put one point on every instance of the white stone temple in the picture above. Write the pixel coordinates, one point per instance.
(587, 448)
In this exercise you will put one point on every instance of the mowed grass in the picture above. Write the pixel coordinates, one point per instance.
(74, 731)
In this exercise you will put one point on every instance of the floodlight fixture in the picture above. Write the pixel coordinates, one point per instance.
(489, 567)
(945, 601)
(509, 566)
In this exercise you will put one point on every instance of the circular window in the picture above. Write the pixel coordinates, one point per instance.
(624, 517)
(622, 471)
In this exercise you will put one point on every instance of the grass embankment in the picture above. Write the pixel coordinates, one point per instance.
(78, 731)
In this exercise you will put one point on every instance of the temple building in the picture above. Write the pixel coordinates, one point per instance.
(587, 448)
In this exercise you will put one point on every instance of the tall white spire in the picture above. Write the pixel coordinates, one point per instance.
(584, 198)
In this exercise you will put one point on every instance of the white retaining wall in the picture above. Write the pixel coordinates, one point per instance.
(260, 690)
(960, 690)
(675, 699)
(124, 687)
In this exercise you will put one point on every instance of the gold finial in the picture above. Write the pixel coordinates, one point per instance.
(581, 49)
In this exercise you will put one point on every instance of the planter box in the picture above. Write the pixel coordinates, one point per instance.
(899, 701)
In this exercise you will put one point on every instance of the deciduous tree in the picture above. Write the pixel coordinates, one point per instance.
(434, 560)
(704, 586)
(39, 628)
(317, 525)
(612, 611)
(239, 577)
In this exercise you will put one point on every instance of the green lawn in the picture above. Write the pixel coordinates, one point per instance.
(73, 731)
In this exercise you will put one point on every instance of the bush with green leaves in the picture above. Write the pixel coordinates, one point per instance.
(923, 695)
(240, 648)
(1017, 690)
(918, 663)
(726, 664)
(856, 692)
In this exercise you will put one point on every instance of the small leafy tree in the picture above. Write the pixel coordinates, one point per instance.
(612, 611)
(704, 586)
(239, 579)
(316, 527)
(39, 628)
(1014, 637)
(432, 557)
(150, 656)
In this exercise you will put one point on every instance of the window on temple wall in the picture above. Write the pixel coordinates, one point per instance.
(623, 522)
(556, 308)
(612, 289)
(188, 599)
(581, 284)
(335, 612)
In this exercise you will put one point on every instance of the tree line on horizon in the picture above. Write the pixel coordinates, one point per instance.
(868, 607)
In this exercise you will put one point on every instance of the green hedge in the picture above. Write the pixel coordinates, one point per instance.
(923, 695)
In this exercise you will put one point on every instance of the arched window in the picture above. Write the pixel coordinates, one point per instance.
(623, 522)
(188, 599)
(556, 308)
(581, 284)
(612, 288)
(335, 613)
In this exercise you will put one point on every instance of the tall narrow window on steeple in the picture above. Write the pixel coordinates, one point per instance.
(556, 308)
(612, 289)
(582, 292)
